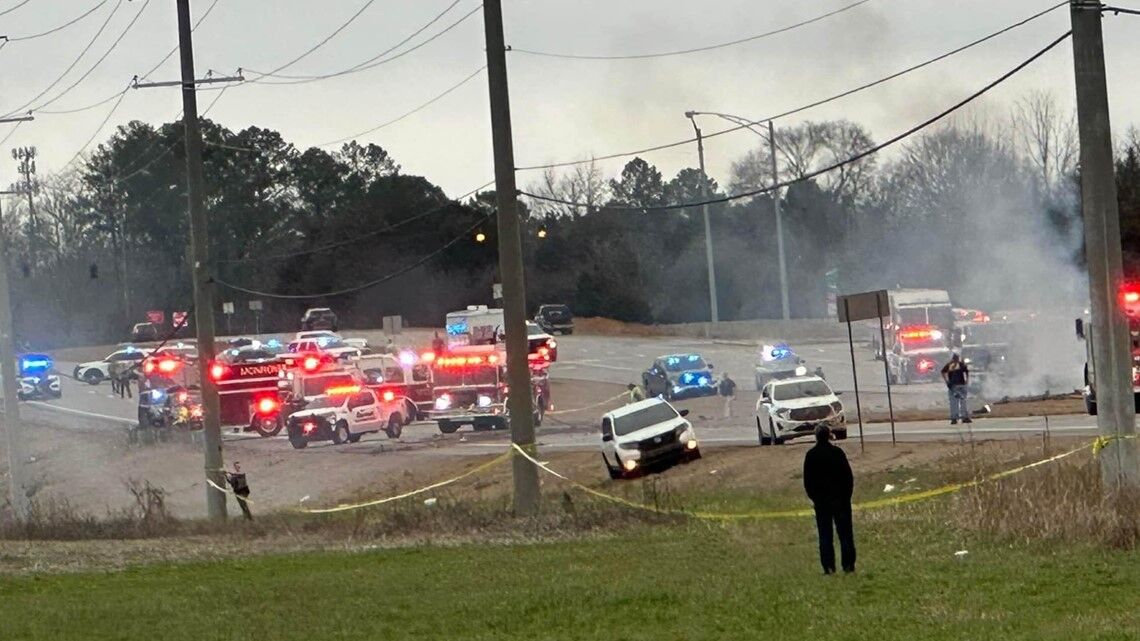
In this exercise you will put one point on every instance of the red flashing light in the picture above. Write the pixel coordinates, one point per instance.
(182, 396)
(389, 396)
(311, 363)
(428, 357)
(168, 365)
(920, 332)
(218, 371)
(267, 405)
(925, 365)
(308, 427)
(493, 358)
(342, 390)
(461, 361)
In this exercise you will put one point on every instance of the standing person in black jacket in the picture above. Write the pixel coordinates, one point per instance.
(829, 482)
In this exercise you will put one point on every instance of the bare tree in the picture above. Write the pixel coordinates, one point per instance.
(1046, 137)
(582, 183)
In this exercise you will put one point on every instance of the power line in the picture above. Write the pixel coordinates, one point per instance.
(98, 62)
(152, 70)
(7, 11)
(830, 168)
(849, 92)
(377, 56)
(408, 113)
(73, 63)
(373, 65)
(11, 133)
(680, 52)
(327, 39)
(60, 27)
(363, 286)
(360, 237)
(98, 129)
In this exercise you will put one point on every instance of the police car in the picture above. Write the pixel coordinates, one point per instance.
(778, 362)
(679, 376)
(95, 372)
(35, 377)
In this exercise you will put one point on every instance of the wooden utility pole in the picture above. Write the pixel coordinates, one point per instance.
(199, 254)
(1111, 343)
(17, 490)
(520, 403)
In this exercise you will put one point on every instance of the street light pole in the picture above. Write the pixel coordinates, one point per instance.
(713, 312)
(779, 223)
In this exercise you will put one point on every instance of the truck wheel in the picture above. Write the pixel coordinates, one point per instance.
(410, 411)
(395, 426)
(266, 426)
(340, 433)
(447, 427)
(615, 472)
(93, 377)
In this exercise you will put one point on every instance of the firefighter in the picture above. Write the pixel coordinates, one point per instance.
(635, 393)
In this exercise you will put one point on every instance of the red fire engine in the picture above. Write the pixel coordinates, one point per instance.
(470, 388)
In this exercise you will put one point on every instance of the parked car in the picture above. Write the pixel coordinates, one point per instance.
(791, 408)
(144, 332)
(641, 434)
(95, 372)
(319, 318)
(555, 318)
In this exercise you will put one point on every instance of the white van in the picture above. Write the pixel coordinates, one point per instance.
(643, 433)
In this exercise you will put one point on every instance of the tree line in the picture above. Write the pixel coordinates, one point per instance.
(987, 208)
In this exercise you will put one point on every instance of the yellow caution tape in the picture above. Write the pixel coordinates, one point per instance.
(1102, 442)
(802, 512)
(589, 407)
(433, 486)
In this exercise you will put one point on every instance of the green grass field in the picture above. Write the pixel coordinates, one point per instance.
(694, 581)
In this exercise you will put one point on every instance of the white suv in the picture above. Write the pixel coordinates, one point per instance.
(792, 407)
(95, 372)
(643, 433)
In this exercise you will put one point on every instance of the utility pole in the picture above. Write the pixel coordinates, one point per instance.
(520, 403)
(17, 490)
(1116, 415)
(714, 314)
(779, 223)
(203, 285)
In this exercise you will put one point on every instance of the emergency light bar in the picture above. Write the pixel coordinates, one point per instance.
(35, 363)
(1130, 299)
(342, 390)
(460, 361)
(923, 332)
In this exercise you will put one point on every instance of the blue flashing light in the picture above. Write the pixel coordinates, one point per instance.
(156, 394)
(131, 349)
(323, 341)
(703, 381)
(35, 363)
(672, 360)
(694, 357)
(273, 343)
(456, 329)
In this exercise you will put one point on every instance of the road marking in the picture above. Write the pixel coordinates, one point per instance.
(68, 410)
(599, 366)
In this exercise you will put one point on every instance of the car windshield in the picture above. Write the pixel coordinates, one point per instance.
(642, 418)
(456, 376)
(532, 329)
(800, 389)
(684, 362)
(324, 402)
(555, 310)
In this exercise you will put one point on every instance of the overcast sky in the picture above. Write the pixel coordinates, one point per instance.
(562, 109)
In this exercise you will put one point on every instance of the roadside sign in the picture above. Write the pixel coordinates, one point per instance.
(497, 291)
(255, 306)
(227, 308)
(178, 318)
(156, 316)
(864, 306)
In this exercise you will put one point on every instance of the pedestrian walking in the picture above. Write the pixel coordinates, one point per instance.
(829, 483)
(240, 486)
(127, 379)
(113, 374)
(727, 389)
(635, 393)
(957, 378)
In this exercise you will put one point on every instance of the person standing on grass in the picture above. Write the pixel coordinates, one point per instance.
(727, 389)
(829, 483)
(957, 378)
(240, 486)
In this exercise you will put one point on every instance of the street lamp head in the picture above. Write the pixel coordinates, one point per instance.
(690, 114)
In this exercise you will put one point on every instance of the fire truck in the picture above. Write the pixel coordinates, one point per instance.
(406, 376)
(1130, 304)
(169, 392)
(248, 393)
(910, 308)
(478, 325)
(917, 354)
(470, 388)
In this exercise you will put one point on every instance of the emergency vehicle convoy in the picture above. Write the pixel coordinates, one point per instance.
(1130, 304)
(469, 387)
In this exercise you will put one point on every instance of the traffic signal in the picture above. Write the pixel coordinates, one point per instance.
(94, 269)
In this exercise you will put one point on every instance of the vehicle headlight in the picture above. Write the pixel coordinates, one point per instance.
(677, 389)
(801, 371)
(783, 412)
(156, 394)
(630, 446)
(443, 402)
(483, 400)
(630, 465)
